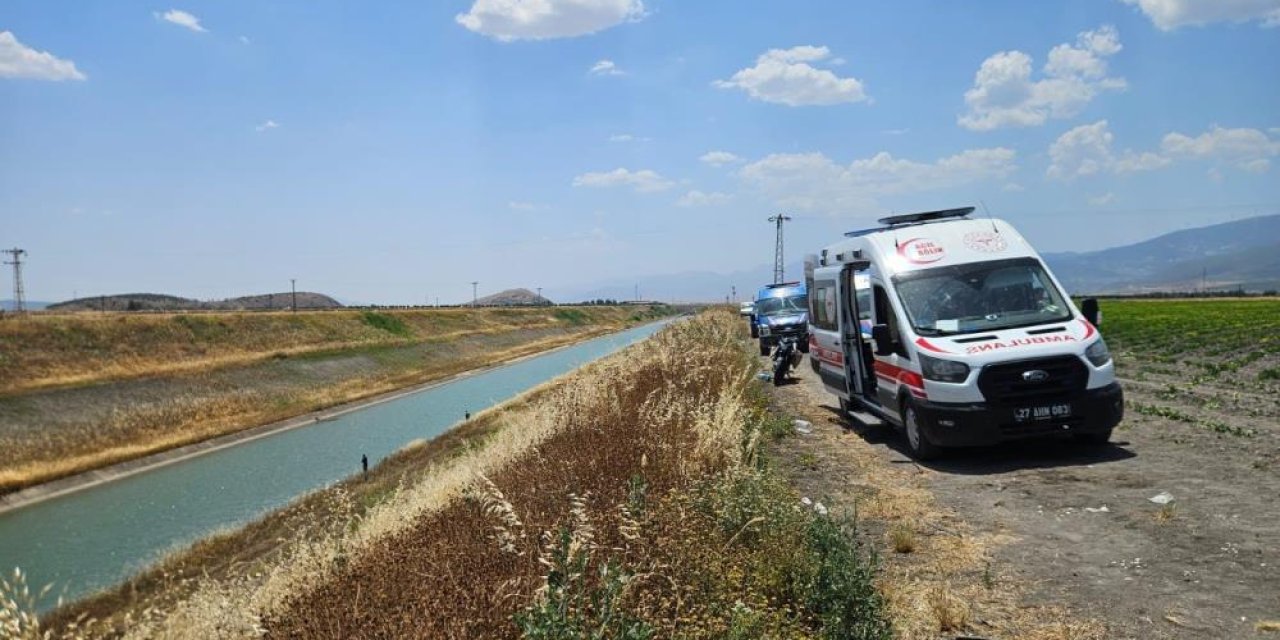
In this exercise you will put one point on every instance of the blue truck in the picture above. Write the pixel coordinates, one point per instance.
(781, 310)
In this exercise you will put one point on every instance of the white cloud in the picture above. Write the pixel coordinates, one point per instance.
(719, 158)
(1102, 200)
(784, 76)
(1247, 149)
(516, 205)
(896, 132)
(814, 181)
(1004, 95)
(182, 19)
(1168, 15)
(697, 198)
(644, 180)
(627, 137)
(20, 61)
(606, 68)
(508, 20)
(1087, 150)
(1012, 187)
(269, 124)
(245, 40)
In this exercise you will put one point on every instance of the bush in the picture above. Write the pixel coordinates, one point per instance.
(386, 322)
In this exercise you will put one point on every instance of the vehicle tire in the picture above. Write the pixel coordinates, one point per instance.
(804, 345)
(813, 362)
(755, 331)
(764, 348)
(780, 372)
(917, 441)
(845, 405)
(1096, 439)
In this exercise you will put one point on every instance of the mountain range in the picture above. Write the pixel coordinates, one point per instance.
(1242, 254)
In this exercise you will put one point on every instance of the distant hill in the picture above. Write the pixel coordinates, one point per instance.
(163, 302)
(513, 298)
(1244, 254)
(688, 286)
(31, 305)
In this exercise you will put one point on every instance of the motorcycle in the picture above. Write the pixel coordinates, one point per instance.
(786, 356)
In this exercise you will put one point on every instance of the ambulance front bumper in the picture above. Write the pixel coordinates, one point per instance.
(977, 424)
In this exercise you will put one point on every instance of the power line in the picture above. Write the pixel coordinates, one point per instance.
(19, 296)
(777, 251)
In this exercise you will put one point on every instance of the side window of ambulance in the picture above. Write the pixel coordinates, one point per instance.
(885, 315)
(822, 305)
(815, 306)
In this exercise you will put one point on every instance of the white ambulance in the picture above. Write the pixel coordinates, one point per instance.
(953, 329)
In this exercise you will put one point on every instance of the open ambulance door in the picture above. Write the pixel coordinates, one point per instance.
(855, 330)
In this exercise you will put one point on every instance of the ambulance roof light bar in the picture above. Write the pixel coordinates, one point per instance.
(924, 217)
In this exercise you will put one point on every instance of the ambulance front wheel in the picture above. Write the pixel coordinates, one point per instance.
(917, 440)
(755, 331)
(764, 347)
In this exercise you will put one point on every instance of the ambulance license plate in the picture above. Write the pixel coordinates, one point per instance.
(1045, 412)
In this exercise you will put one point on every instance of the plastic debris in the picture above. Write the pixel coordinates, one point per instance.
(806, 501)
(820, 508)
(1164, 497)
(1102, 509)
(804, 426)
(764, 375)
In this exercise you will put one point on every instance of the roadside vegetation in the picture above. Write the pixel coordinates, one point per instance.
(627, 500)
(102, 389)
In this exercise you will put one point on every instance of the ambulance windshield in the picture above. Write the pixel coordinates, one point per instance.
(982, 296)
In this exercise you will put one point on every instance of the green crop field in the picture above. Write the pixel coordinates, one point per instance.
(1212, 363)
(1215, 336)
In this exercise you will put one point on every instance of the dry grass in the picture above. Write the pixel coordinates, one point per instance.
(43, 351)
(1166, 513)
(902, 538)
(138, 429)
(626, 497)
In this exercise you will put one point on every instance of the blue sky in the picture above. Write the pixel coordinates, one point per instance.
(394, 152)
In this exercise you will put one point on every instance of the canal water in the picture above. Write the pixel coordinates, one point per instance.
(95, 538)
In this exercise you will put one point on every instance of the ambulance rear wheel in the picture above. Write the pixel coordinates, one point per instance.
(755, 331)
(917, 441)
(764, 348)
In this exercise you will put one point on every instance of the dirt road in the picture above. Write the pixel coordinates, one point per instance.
(1058, 540)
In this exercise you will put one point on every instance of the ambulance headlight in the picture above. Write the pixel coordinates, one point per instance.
(1097, 353)
(943, 370)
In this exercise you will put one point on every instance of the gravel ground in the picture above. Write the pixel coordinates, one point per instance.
(1075, 524)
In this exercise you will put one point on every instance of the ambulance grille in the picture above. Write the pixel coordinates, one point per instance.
(1003, 383)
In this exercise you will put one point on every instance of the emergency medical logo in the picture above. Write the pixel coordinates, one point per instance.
(985, 241)
(921, 251)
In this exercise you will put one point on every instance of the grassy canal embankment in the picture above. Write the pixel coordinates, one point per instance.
(85, 391)
(629, 499)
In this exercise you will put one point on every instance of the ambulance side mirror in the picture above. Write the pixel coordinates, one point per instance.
(1089, 309)
(884, 344)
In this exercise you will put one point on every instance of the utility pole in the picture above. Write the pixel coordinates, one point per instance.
(473, 292)
(539, 295)
(19, 296)
(777, 251)
(733, 289)
(637, 296)
(293, 289)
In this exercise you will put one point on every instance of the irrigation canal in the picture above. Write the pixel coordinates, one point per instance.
(95, 538)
